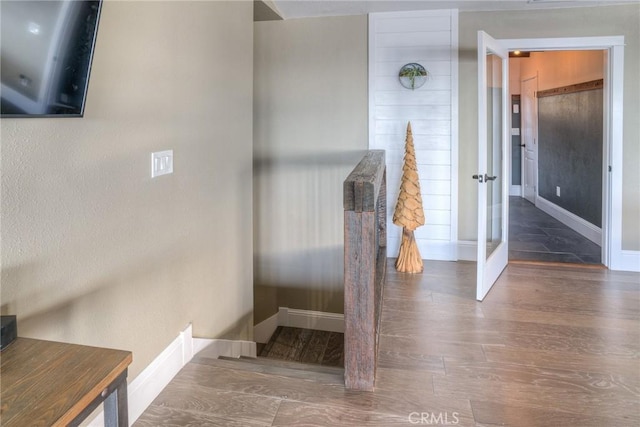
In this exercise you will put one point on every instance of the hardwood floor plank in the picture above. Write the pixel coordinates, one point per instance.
(409, 380)
(606, 403)
(431, 347)
(602, 322)
(573, 345)
(545, 272)
(220, 403)
(297, 414)
(155, 416)
(493, 413)
(458, 324)
(602, 364)
(317, 373)
(549, 346)
(334, 352)
(618, 304)
(413, 361)
(559, 379)
(426, 311)
(442, 333)
(390, 403)
(314, 352)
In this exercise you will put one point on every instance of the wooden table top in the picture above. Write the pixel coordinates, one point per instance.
(45, 383)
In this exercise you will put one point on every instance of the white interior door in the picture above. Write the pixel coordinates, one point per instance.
(493, 152)
(529, 110)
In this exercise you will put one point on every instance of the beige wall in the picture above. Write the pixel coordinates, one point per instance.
(96, 252)
(562, 68)
(310, 129)
(596, 21)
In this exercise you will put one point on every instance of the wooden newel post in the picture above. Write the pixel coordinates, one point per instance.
(409, 213)
(364, 268)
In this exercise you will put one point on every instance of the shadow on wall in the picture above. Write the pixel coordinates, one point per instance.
(299, 231)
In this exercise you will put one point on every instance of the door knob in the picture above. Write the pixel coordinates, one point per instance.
(489, 178)
(479, 177)
(523, 145)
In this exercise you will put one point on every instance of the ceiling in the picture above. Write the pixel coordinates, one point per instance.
(308, 8)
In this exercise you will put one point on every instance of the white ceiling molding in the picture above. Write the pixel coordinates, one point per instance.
(289, 9)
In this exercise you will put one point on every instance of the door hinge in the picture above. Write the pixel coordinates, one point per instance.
(610, 169)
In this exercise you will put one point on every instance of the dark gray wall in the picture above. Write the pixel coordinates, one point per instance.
(570, 152)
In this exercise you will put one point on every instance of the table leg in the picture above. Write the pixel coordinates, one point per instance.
(115, 405)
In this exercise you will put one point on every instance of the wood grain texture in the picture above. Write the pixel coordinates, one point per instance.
(225, 404)
(296, 414)
(165, 416)
(364, 268)
(362, 186)
(48, 383)
(578, 87)
(306, 346)
(549, 346)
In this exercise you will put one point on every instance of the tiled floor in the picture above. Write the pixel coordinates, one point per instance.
(536, 236)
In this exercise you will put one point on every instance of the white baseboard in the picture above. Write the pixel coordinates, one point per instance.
(467, 250)
(571, 220)
(155, 377)
(308, 319)
(435, 250)
(228, 348)
(625, 261)
(515, 190)
(265, 329)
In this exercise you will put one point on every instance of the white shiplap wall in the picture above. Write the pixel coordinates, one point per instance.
(431, 39)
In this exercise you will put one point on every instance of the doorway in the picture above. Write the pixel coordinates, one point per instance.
(613, 256)
(488, 47)
(556, 214)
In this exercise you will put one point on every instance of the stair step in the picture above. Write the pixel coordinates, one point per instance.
(292, 364)
(282, 368)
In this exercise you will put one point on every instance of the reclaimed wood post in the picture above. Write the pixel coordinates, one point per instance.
(364, 267)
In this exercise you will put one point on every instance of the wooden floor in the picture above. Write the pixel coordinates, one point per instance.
(549, 346)
(306, 346)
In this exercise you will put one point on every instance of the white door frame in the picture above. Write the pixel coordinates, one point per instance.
(612, 253)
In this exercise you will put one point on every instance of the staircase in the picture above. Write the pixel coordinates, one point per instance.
(245, 391)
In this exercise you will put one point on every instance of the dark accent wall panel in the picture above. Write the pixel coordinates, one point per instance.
(570, 152)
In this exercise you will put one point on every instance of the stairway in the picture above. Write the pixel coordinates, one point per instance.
(245, 391)
(307, 346)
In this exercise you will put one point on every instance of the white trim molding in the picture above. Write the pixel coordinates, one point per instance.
(467, 250)
(263, 331)
(157, 375)
(628, 261)
(308, 319)
(571, 220)
(614, 256)
(515, 190)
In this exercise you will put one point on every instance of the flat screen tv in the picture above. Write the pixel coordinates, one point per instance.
(46, 49)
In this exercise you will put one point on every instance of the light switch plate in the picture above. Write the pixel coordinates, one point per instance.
(161, 163)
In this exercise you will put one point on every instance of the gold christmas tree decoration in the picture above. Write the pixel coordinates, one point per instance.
(409, 213)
